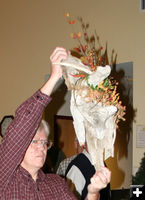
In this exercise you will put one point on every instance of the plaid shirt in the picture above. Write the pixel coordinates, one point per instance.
(63, 165)
(15, 182)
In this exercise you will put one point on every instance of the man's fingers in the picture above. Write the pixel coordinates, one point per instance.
(107, 173)
(58, 54)
(101, 177)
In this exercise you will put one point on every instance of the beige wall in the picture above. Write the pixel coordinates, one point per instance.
(30, 30)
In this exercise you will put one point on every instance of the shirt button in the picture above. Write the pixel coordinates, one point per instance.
(39, 97)
(28, 112)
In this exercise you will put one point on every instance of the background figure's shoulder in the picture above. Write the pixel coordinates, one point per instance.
(64, 164)
(68, 160)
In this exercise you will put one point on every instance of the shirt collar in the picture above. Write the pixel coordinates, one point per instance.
(27, 175)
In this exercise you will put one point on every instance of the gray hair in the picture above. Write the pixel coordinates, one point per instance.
(45, 126)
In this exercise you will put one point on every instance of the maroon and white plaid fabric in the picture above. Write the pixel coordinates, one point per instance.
(15, 182)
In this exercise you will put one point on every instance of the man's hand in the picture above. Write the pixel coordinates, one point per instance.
(57, 56)
(56, 70)
(99, 181)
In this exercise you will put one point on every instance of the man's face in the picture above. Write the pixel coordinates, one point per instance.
(36, 153)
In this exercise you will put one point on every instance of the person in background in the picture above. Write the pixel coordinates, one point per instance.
(64, 164)
(24, 147)
(79, 172)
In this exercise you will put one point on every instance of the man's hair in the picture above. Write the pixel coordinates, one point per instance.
(44, 125)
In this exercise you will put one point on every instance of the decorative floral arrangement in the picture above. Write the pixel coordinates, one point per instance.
(106, 91)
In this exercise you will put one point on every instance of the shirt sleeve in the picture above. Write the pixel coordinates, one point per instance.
(63, 191)
(19, 135)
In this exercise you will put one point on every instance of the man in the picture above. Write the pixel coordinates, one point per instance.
(23, 151)
(64, 164)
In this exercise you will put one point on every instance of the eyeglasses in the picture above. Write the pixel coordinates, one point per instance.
(44, 143)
